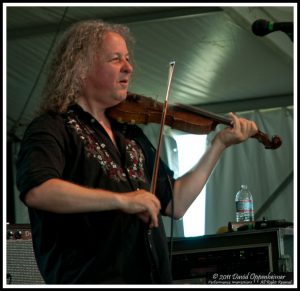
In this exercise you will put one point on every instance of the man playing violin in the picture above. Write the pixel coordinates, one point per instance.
(85, 178)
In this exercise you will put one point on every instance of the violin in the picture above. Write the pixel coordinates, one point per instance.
(138, 109)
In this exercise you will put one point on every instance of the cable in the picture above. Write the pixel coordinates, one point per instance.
(172, 224)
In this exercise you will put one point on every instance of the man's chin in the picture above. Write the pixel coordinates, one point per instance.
(121, 96)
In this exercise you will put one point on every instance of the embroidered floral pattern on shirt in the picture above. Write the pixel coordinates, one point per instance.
(136, 157)
(99, 152)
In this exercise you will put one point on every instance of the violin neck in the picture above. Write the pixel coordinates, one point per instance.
(205, 113)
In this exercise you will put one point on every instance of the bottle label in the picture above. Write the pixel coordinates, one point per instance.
(244, 206)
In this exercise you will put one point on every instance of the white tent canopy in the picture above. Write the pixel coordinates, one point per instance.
(220, 63)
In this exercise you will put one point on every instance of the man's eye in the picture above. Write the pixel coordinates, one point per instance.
(119, 59)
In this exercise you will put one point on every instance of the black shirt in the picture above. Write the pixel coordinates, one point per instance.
(94, 247)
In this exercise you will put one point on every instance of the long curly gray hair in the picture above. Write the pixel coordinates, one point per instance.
(70, 64)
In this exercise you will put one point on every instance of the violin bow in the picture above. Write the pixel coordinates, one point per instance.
(162, 123)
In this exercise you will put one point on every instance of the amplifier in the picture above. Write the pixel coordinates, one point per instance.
(196, 259)
(21, 264)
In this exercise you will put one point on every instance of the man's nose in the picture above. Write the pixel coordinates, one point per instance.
(127, 67)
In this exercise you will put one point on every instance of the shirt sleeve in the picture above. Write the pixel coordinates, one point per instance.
(41, 155)
(165, 184)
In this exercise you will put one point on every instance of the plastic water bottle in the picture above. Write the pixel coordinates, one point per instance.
(244, 205)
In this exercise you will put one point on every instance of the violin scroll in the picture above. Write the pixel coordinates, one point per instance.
(269, 144)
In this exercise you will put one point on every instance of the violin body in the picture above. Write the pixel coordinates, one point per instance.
(138, 109)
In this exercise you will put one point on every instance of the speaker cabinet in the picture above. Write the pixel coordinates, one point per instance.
(21, 264)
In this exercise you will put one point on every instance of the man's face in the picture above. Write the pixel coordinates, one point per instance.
(108, 78)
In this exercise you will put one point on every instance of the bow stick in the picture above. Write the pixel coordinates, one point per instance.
(162, 123)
